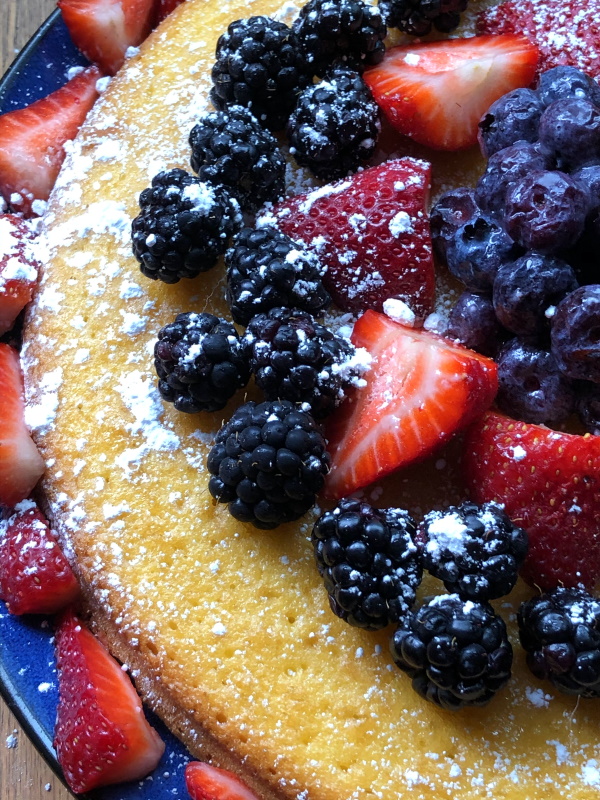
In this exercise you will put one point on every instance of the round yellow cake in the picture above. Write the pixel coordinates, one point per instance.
(226, 629)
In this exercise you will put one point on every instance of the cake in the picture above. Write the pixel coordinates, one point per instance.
(226, 629)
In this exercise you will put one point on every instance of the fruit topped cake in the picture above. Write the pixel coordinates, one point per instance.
(313, 376)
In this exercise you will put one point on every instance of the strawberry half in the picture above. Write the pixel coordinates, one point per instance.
(101, 735)
(549, 483)
(18, 269)
(32, 140)
(21, 464)
(566, 33)
(205, 782)
(371, 232)
(35, 576)
(421, 389)
(436, 92)
(104, 29)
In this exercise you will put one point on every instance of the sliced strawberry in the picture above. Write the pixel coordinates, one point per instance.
(549, 484)
(18, 269)
(420, 390)
(32, 140)
(436, 92)
(371, 232)
(566, 33)
(205, 782)
(35, 576)
(104, 29)
(101, 735)
(21, 464)
(163, 8)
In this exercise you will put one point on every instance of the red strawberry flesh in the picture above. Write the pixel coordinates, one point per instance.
(18, 269)
(436, 92)
(549, 483)
(421, 389)
(371, 232)
(101, 735)
(205, 782)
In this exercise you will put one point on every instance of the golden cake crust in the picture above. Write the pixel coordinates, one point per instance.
(226, 629)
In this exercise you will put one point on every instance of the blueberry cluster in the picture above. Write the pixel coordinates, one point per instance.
(524, 243)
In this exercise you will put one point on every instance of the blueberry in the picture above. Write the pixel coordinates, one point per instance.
(473, 322)
(575, 334)
(564, 82)
(570, 133)
(588, 406)
(546, 211)
(525, 289)
(514, 117)
(452, 210)
(505, 168)
(530, 385)
(477, 251)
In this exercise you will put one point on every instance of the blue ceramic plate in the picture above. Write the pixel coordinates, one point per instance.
(28, 680)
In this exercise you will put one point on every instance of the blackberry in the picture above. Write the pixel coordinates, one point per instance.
(183, 226)
(266, 269)
(200, 362)
(473, 322)
(560, 631)
(368, 562)
(515, 117)
(335, 125)
(340, 30)
(575, 334)
(418, 17)
(475, 550)
(295, 358)
(456, 652)
(231, 148)
(268, 462)
(260, 65)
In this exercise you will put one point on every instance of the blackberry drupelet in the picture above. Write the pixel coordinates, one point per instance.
(232, 148)
(183, 226)
(295, 358)
(268, 462)
(260, 65)
(348, 31)
(456, 651)
(418, 17)
(266, 269)
(560, 631)
(475, 550)
(335, 125)
(368, 561)
(200, 362)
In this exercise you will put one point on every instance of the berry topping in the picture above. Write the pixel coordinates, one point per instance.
(266, 269)
(475, 550)
(183, 226)
(35, 576)
(162, 9)
(231, 148)
(104, 29)
(515, 117)
(560, 631)
(295, 358)
(418, 17)
(32, 141)
(549, 484)
(349, 31)
(570, 133)
(21, 464)
(456, 651)
(477, 251)
(200, 362)
(565, 83)
(260, 65)
(335, 125)
(268, 462)
(420, 390)
(18, 269)
(436, 92)
(449, 213)
(588, 406)
(368, 561)
(371, 232)
(574, 332)
(205, 782)
(473, 323)
(101, 735)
